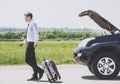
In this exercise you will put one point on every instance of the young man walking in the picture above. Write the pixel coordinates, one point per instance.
(31, 39)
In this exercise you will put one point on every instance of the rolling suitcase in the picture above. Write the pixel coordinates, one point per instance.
(50, 69)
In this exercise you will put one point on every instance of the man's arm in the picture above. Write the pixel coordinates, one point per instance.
(35, 31)
(22, 42)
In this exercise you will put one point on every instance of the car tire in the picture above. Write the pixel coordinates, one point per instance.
(105, 65)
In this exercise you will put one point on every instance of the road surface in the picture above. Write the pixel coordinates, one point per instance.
(71, 74)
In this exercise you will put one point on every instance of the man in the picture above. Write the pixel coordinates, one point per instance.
(31, 39)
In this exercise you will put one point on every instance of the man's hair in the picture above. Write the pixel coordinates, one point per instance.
(29, 14)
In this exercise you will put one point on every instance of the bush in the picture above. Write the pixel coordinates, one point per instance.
(53, 35)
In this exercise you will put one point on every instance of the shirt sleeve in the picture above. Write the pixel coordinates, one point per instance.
(24, 41)
(35, 31)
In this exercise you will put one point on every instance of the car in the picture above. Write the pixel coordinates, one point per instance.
(101, 54)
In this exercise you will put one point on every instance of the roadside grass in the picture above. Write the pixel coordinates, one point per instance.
(61, 52)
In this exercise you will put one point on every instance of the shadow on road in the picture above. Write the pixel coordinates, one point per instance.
(92, 77)
(48, 81)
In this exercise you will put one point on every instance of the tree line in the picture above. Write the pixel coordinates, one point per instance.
(49, 35)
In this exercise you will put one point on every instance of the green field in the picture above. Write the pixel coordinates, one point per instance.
(61, 52)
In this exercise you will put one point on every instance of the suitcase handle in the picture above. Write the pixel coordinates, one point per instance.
(39, 54)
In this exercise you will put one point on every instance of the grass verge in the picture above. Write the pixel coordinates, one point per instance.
(60, 52)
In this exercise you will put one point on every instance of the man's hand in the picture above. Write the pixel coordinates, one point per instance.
(35, 44)
(21, 44)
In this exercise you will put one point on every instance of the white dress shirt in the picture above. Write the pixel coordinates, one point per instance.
(32, 32)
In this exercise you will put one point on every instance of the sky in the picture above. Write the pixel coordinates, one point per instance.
(57, 13)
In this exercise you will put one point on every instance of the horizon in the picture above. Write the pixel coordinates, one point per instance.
(52, 28)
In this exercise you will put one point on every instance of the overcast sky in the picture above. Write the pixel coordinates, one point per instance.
(57, 13)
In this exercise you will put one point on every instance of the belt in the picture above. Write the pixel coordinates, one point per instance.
(30, 42)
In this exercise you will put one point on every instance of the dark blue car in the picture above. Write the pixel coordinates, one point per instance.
(100, 54)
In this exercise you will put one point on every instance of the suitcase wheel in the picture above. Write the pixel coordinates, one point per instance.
(51, 80)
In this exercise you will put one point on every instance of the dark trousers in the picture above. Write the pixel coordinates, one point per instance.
(30, 58)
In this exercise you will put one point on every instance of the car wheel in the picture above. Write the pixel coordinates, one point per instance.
(106, 65)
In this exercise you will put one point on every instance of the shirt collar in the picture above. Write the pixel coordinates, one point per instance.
(30, 21)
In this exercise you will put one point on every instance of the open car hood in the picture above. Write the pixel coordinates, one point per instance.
(102, 22)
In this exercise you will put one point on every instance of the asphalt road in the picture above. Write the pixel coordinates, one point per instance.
(71, 74)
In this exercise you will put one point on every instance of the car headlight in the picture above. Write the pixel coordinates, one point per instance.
(79, 54)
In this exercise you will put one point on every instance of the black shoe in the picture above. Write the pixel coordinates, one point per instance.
(41, 74)
(33, 79)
